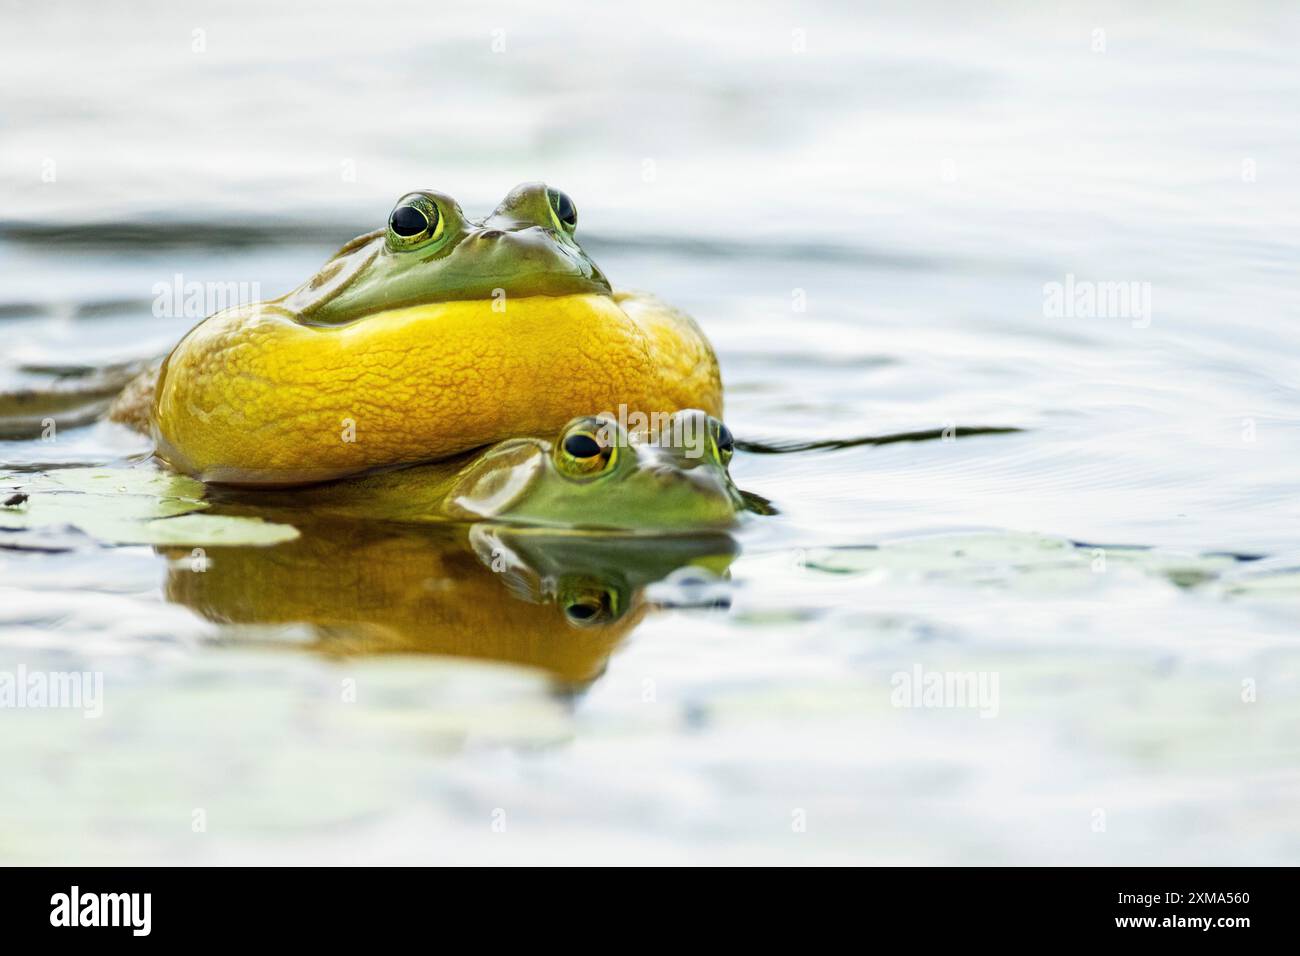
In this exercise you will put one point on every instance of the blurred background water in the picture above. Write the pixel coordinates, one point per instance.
(863, 208)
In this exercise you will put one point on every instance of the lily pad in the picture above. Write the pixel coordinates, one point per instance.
(110, 481)
(193, 530)
(1014, 559)
(122, 506)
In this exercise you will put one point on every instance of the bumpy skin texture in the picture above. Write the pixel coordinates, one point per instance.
(253, 397)
(430, 337)
(132, 405)
(670, 483)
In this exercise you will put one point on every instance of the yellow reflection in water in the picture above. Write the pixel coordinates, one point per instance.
(556, 601)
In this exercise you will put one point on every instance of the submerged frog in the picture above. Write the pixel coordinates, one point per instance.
(594, 476)
(500, 554)
(429, 337)
(427, 557)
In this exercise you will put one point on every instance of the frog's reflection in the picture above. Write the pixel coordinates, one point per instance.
(546, 599)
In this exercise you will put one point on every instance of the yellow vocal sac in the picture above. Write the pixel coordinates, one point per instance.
(253, 397)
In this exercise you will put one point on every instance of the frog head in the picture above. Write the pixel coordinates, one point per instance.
(598, 475)
(430, 251)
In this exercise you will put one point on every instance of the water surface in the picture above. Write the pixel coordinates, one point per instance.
(864, 225)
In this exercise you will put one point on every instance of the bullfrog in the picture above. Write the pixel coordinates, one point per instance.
(595, 475)
(427, 557)
(420, 340)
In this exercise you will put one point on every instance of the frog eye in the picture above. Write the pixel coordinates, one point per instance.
(586, 611)
(408, 221)
(581, 446)
(585, 450)
(562, 207)
(723, 440)
(587, 606)
(414, 220)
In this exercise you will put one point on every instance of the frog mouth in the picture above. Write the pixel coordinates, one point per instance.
(560, 272)
(483, 263)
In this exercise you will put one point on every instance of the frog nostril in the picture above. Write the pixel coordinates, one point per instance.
(491, 234)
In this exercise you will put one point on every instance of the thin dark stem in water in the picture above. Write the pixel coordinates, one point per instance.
(932, 434)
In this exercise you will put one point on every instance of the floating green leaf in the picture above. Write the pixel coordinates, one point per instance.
(110, 481)
(1014, 559)
(193, 530)
(121, 506)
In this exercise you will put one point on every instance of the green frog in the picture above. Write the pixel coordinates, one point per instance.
(595, 475)
(421, 340)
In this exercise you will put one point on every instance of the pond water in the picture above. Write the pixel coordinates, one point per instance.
(1077, 223)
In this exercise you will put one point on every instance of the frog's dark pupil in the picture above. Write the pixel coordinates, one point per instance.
(582, 612)
(408, 221)
(725, 440)
(582, 446)
(565, 210)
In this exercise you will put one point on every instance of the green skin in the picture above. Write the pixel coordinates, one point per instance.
(675, 485)
(525, 247)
